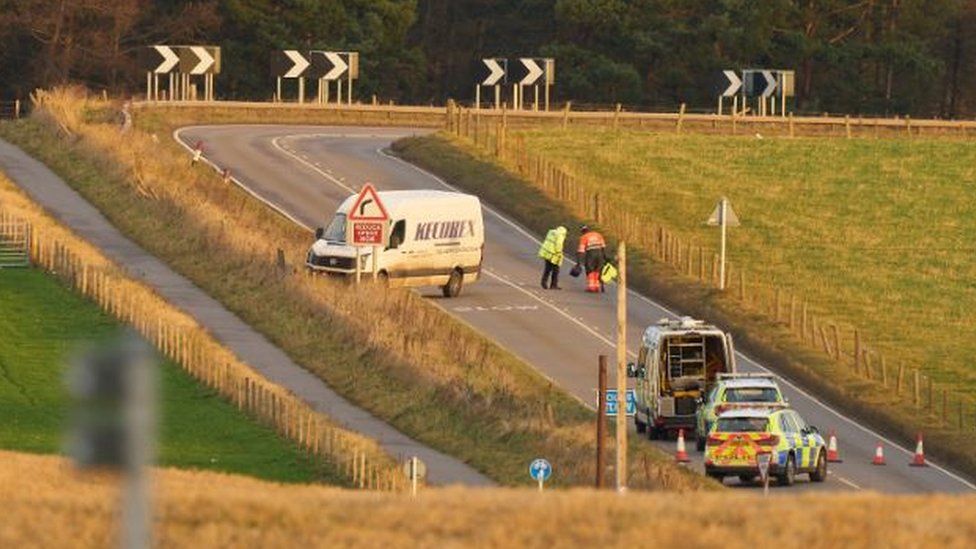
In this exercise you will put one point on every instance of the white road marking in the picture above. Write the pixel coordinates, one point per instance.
(844, 480)
(494, 308)
(518, 228)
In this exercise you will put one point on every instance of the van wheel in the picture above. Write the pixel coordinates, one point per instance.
(640, 425)
(453, 286)
(383, 279)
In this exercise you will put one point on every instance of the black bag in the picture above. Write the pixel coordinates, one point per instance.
(575, 271)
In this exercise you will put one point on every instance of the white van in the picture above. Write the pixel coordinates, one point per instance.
(679, 362)
(436, 238)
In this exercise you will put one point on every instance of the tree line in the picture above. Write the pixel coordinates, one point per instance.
(911, 57)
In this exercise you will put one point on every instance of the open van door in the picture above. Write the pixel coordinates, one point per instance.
(730, 352)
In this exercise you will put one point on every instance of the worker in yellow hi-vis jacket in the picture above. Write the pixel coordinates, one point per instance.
(551, 253)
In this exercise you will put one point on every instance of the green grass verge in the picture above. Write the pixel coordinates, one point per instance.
(42, 322)
(763, 339)
(874, 232)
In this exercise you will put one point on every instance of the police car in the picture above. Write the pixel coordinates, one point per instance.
(733, 391)
(740, 435)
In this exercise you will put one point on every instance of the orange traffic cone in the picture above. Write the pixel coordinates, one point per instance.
(879, 458)
(919, 459)
(681, 456)
(833, 456)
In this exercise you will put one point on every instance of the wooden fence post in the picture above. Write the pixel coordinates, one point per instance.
(857, 350)
(917, 400)
(681, 117)
(945, 404)
(931, 394)
(898, 382)
(742, 285)
(792, 322)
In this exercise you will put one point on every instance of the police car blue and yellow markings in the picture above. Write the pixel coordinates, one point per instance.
(739, 392)
(740, 435)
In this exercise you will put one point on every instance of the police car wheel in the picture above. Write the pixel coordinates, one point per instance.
(746, 479)
(700, 443)
(453, 286)
(788, 475)
(819, 474)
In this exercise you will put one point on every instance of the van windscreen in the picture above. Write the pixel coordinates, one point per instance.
(336, 231)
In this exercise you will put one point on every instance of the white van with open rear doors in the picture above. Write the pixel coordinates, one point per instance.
(435, 238)
(679, 361)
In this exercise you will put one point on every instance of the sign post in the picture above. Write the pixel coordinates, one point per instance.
(723, 216)
(601, 422)
(762, 459)
(416, 470)
(366, 226)
(540, 470)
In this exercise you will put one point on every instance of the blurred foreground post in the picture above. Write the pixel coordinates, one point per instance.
(622, 368)
(114, 388)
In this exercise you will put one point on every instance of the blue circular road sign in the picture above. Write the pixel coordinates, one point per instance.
(540, 469)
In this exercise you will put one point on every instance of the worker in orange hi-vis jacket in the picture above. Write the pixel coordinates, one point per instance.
(592, 254)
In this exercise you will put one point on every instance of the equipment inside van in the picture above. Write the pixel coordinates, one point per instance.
(433, 238)
(678, 362)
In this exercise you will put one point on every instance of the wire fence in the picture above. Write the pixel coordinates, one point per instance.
(364, 464)
(843, 343)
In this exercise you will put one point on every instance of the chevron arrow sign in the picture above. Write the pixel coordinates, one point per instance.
(289, 64)
(732, 84)
(199, 59)
(533, 70)
(494, 71)
(159, 59)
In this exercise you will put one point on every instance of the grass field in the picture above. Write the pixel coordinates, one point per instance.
(42, 322)
(432, 377)
(47, 506)
(876, 233)
(756, 332)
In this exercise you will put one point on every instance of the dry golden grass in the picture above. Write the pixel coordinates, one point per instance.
(432, 376)
(49, 504)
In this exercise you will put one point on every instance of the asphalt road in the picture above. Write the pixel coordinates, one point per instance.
(305, 172)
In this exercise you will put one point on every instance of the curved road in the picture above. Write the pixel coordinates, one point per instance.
(305, 172)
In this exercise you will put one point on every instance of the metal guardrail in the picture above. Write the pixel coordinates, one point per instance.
(727, 123)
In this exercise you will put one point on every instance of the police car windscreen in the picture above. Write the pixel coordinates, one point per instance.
(751, 394)
(741, 424)
(336, 231)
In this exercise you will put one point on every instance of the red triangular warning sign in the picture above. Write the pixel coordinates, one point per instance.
(367, 206)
